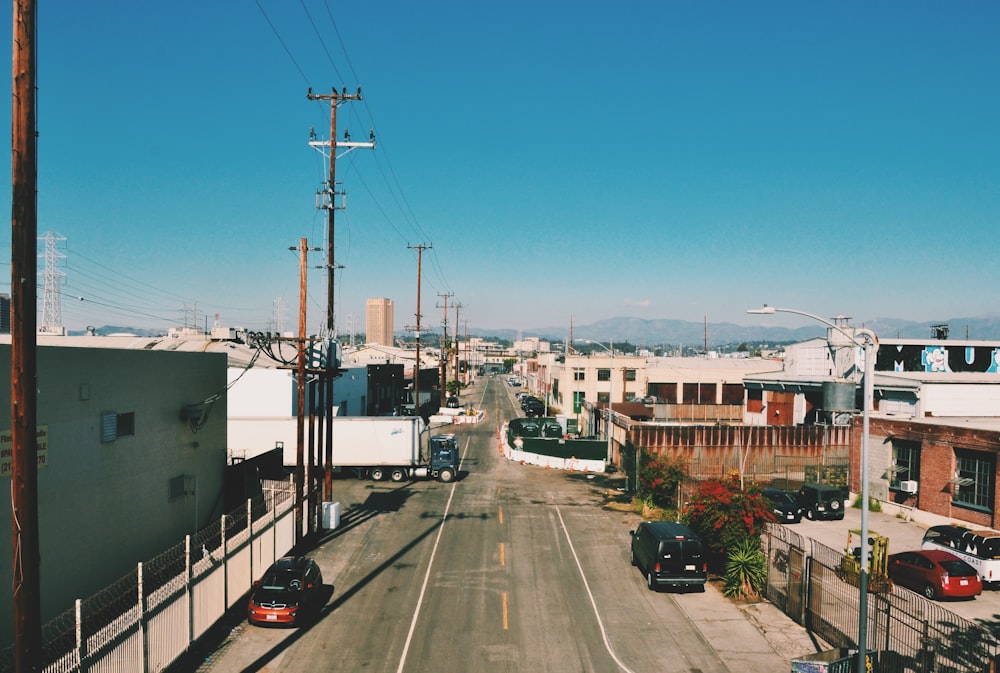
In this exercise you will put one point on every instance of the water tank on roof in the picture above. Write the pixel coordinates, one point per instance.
(838, 396)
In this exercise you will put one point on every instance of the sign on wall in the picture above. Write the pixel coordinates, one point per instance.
(7, 450)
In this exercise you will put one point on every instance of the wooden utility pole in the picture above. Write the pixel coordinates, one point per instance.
(329, 203)
(458, 306)
(444, 343)
(416, 370)
(300, 373)
(26, 580)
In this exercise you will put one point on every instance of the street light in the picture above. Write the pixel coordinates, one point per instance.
(611, 387)
(870, 345)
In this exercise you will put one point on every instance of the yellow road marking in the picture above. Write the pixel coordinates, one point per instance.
(501, 516)
(505, 611)
(502, 560)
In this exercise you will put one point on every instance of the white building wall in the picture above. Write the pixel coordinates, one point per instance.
(960, 400)
(104, 507)
(261, 392)
(263, 407)
(251, 437)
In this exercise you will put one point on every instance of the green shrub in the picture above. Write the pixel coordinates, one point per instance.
(746, 570)
(873, 504)
(659, 477)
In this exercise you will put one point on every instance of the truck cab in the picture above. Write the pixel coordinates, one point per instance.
(444, 457)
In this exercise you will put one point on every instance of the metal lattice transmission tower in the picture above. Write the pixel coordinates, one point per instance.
(52, 280)
(278, 309)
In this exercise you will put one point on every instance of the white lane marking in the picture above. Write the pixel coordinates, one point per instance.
(600, 623)
(430, 564)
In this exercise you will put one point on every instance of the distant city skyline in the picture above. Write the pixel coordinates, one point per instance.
(653, 160)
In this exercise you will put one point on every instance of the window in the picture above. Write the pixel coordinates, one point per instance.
(699, 393)
(755, 401)
(732, 393)
(115, 425)
(603, 374)
(175, 487)
(973, 483)
(630, 375)
(579, 374)
(905, 462)
(180, 486)
(664, 392)
(602, 398)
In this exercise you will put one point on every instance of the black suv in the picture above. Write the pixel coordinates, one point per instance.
(668, 554)
(784, 505)
(821, 501)
(533, 406)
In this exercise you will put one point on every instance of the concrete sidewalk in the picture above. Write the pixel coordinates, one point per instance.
(752, 637)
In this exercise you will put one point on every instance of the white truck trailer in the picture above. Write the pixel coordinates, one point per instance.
(383, 447)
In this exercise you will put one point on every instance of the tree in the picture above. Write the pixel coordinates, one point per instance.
(723, 515)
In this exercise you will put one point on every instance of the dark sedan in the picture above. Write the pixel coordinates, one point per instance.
(784, 505)
(287, 593)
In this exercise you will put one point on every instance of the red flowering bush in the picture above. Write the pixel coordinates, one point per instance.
(724, 515)
(658, 479)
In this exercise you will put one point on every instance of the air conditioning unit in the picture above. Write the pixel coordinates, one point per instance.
(908, 486)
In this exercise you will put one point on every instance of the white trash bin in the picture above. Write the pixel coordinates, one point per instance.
(331, 515)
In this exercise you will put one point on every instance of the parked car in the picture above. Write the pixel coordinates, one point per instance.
(532, 406)
(668, 554)
(935, 573)
(821, 501)
(784, 505)
(288, 592)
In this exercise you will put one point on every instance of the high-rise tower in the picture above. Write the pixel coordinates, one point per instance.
(378, 321)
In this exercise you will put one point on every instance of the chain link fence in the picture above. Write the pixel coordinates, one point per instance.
(909, 633)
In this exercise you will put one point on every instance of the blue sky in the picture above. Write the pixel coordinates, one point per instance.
(566, 160)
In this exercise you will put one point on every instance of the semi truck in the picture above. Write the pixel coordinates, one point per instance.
(390, 447)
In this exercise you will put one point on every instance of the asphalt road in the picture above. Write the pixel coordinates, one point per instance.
(510, 568)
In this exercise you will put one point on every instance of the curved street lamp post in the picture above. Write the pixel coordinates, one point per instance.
(870, 345)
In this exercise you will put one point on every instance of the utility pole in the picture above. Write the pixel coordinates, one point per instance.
(444, 342)
(457, 307)
(416, 370)
(326, 200)
(300, 375)
(26, 564)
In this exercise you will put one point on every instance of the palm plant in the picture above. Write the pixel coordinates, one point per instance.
(746, 570)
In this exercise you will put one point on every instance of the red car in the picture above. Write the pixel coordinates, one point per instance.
(935, 573)
(287, 593)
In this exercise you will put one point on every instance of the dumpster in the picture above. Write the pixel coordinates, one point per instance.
(839, 660)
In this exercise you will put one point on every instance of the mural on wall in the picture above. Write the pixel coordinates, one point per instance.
(938, 358)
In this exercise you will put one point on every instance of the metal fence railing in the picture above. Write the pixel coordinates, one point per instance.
(909, 633)
(147, 619)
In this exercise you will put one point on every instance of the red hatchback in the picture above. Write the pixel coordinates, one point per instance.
(935, 573)
(287, 592)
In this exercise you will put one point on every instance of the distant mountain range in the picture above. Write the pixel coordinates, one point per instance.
(642, 332)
